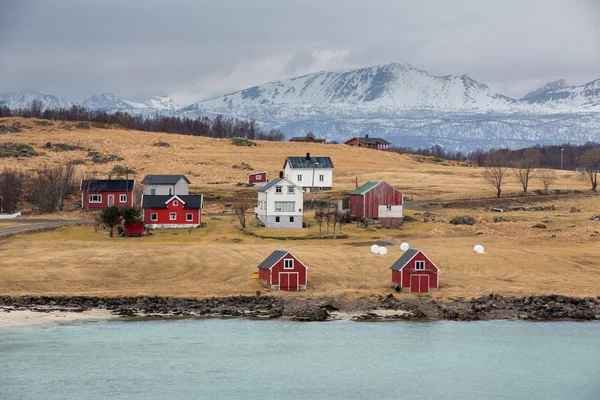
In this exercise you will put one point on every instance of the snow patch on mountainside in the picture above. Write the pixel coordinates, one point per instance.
(23, 100)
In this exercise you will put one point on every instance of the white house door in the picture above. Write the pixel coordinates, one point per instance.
(111, 200)
(153, 191)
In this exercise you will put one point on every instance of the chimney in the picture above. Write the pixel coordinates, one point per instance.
(308, 156)
(367, 136)
(280, 174)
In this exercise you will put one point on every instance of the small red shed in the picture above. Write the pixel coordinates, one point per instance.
(258, 178)
(100, 193)
(377, 200)
(415, 272)
(283, 271)
(135, 229)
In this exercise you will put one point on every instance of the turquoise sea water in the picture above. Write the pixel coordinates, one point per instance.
(242, 359)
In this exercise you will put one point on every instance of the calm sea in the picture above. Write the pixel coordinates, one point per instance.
(242, 359)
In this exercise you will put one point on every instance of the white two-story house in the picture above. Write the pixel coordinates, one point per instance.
(310, 173)
(166, 185)
(280, 204)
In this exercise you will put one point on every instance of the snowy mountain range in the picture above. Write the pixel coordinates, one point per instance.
(398, 102)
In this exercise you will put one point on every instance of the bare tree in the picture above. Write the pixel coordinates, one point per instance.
(526, 167)
(589, 165)
(495, 170)
(51, 186)
(320, 215)
(329, 217)
(342, 217)
(11, 190)
(310, 136)
(547, 177)
(241, 211)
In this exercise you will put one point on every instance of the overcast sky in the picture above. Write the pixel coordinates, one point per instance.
(192, 50)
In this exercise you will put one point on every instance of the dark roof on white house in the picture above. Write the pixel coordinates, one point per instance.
(107, 185)
(271, 184)
(272, 259)
(191, 201)
(310, 162)
(406, 257)
(163, 179)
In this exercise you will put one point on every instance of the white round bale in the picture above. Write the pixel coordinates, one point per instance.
(479, 249)
(382, 251)
(404, 247)
(375, 249)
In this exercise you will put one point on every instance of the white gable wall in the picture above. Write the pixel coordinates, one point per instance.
(310, 178)
(180, 188)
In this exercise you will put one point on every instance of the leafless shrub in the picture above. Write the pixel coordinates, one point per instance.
(547, 177)
(51, 186)
(241, 211)
(320, 216)
(589, 165)
(11, 190)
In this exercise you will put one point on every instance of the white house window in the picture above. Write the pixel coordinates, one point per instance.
(95, 198)
(299, 178)
(278, 189)
(170, 191)
(175, 203)
(258, 177)
(321, 178)
(419, 265)
(153, 217)
(173, 216)
(276, 219)
(189, 217)
(290, 189)
(288, 264)
(123, 198)
(291, 219)
(285, 205)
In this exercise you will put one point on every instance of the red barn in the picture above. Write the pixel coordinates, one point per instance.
(283, 271)
(415, 272)
(100, 193)
(258, 178)
(179, 211)
(377, 200)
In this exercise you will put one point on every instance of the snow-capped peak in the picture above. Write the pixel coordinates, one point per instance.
(24, 99)
(558, 84)
(161, 103)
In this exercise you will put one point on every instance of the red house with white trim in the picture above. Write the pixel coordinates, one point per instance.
(378, 200)
(100, 193)
(415, 272)
(178, 211)
(258, 178)
(283, 271)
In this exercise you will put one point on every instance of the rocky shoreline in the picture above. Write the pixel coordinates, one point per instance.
(373, 308)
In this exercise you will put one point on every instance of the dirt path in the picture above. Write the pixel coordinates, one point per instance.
(36, 224)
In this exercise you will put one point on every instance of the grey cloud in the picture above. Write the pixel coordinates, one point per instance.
(196, 49)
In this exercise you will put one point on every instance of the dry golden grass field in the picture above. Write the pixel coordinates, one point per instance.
(519, 260)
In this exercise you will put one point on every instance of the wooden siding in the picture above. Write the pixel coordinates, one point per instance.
(409, 270)
(367, 204)
(85, 196)
(164, 215)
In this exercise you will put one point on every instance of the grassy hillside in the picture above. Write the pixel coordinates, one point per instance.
(520, 260)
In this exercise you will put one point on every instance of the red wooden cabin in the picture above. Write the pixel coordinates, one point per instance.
(377, 200)
(258, 178)
(415, 272)
(283, 271)
(165, 211)
(100, 193)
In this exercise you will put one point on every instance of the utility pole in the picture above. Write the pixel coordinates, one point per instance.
(126, 185)
(561, 169)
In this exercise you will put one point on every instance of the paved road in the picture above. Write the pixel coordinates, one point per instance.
(34, 224)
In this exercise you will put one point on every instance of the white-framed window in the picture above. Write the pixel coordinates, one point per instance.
(173, 216)
(288, 264)
(277, 219)
(285, 205)
(291, 219)
(299, 177)
(95, 198)
(189, 217)
(321, 178)
(279, 189)
(154, 217)
(419, 265)
(290, 189)
(122, 198)
(175, 203)
(258, 177)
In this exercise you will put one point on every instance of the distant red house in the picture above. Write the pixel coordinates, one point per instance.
(377, 200)
(369, 143)
(258, 178)
(100, 193)
(283, 271)
(179, 211)
(415, 272)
